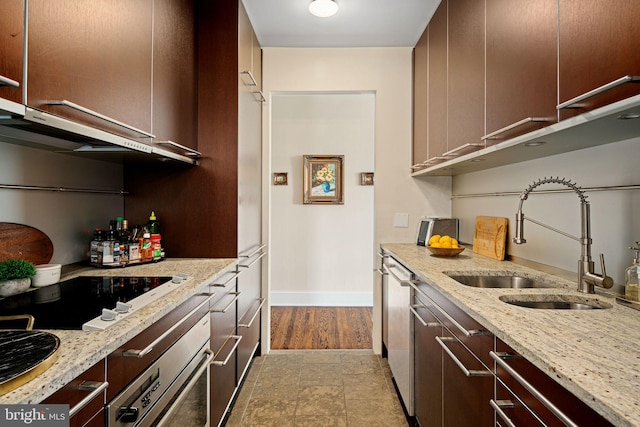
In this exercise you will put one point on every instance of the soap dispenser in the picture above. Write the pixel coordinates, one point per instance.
(632, 276)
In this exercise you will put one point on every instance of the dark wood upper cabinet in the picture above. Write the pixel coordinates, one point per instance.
(11, 48)
(599, 41)
(174, 72)
(93, 53)
(420, 106)
(521, 58)
(465, 106)
(437, 83)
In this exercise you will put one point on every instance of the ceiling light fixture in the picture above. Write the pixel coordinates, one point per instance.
(323, 8)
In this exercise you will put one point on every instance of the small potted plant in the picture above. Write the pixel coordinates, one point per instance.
(15, 276)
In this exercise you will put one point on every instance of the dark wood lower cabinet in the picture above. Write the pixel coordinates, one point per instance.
(452, 386)
(519, 403)
(92, 414)
(428, 366)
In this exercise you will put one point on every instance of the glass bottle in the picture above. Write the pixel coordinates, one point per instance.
(632, 277)
(95, 248)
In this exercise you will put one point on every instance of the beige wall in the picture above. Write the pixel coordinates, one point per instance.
(386, 72)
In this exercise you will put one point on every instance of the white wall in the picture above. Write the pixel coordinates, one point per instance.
(386, 72)
(67, 218)
(615, 214)
(320, 254)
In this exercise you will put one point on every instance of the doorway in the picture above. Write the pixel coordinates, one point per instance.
(320, 254)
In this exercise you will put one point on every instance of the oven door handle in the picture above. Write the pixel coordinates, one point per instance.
(185, 391)
(141, 353)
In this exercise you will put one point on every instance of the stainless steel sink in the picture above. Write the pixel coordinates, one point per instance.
(502, 281)
(555, 302)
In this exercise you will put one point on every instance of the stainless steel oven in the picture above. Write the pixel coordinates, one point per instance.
(159, 391)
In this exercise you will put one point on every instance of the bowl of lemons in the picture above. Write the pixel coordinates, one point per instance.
(444, 246)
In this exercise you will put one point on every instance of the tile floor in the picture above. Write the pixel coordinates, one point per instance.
(318, 388)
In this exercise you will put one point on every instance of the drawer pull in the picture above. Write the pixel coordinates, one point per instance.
(573, 103)
(80, 108)
(224, 285)
(500, 360)
(248, 325)
(96, 387)
(467, 372)
(522, 122)
(228, 306)
(141, 353)
(259, 96)
(471, 333)
(426, 324)
(238, 338)
(6, 81)
(498, 405)
(380, 272)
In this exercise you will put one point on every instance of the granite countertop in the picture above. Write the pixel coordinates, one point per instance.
(79, 350)
(592, 353)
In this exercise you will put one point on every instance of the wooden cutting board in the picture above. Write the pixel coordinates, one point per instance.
(490, 236)
(19, 241)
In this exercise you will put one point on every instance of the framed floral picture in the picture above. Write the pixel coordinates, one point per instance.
(323, 179)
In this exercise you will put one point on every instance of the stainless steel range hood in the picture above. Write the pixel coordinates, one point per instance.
(34, 128)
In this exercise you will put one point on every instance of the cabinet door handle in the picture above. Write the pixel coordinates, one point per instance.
(259, 96)
(255, 315)
(228, 306)
(6, 81)
(238, 338)
(252, 253)
(500, 357)
(80, 108)
(188, 151)
(522, 122)
(467, 372)
(96, 387)
(141, 353)
(455, 151)
(426, 324)
(258, 258)
(573, 103)
(465, 332)
(251, 82)
(498, 405)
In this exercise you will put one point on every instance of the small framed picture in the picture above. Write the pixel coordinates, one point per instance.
(366, 178)
(280, 178)
(323, 182)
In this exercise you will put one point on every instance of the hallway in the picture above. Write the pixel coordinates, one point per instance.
(318, 388)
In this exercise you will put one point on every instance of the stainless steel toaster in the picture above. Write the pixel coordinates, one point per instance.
(428, 227)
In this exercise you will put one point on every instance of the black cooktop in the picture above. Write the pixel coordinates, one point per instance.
(71, 303)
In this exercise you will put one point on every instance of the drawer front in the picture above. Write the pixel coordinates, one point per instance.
(249, 330)
(566, 402)
(73, 393)
(124, 369)
(462, 326)
(512, 411)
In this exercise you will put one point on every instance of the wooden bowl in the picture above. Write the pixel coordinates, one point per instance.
(446, 252)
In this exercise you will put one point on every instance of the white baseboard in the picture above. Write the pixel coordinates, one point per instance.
(322, 299)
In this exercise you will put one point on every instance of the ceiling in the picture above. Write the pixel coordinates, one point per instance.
(358, 23)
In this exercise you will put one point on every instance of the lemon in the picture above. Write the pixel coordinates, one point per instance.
(435, 245)
(445, 244)
(434, 239)
(445, 239)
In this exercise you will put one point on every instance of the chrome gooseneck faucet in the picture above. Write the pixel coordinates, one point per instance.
(587, 278)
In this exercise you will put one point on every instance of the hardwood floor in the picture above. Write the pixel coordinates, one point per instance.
(321, 328)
